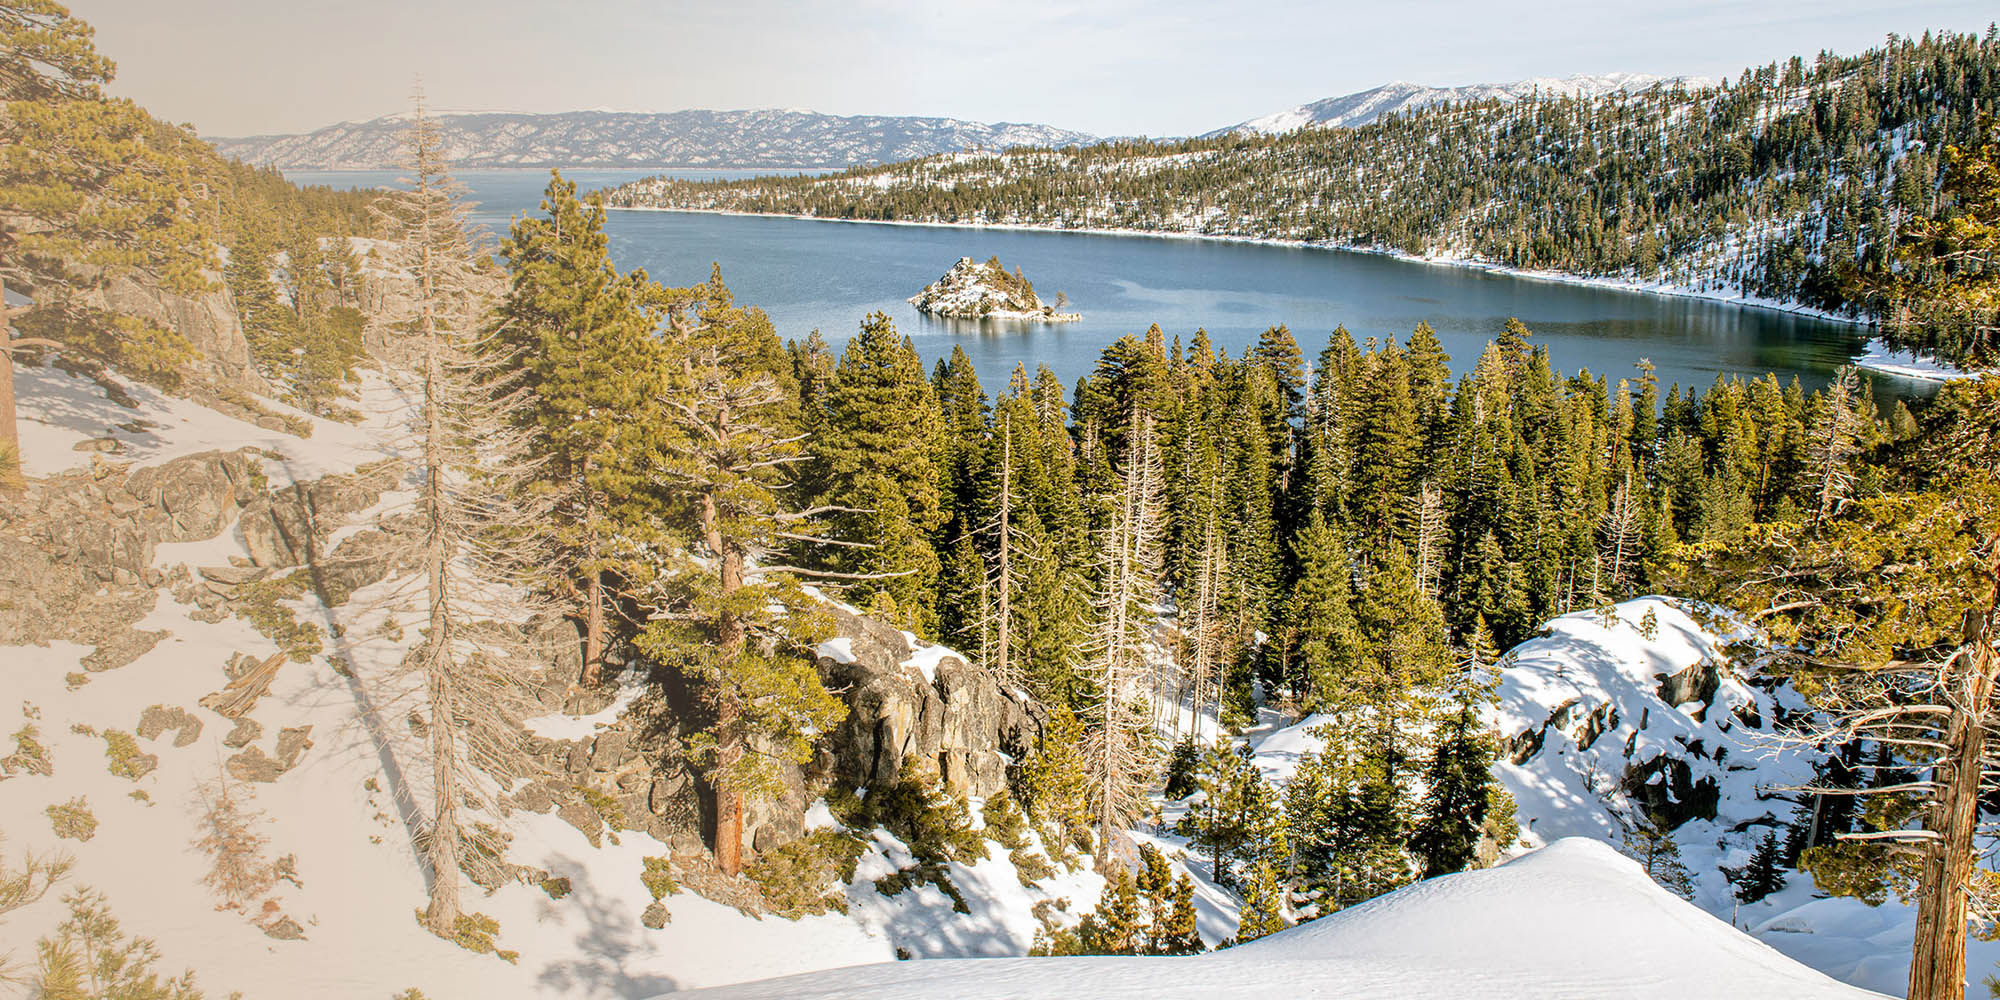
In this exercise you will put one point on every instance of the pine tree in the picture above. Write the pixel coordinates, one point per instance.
(1237, 817)
(1651, 844)
(1945, 297)
(1263, 906)
(1764, 874)
(1128, 590)
(584, 335)
(1182, 935)
(877, 460)
(89, 957)
(1319, 625)
(736, 628)
(94, 189)
(1458, 785)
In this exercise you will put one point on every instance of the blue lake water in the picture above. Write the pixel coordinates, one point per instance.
(828, 275)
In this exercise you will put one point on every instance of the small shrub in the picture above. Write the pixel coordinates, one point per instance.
(923, 873)
(606, 807)
(259, 604)
(477, 933)
(124, 758)
(139, 795)
(1182, 766)
(29, 755)
(658, 878)
(72, 820)
(410, 994)
(934, 823)
(88, 956)
(806, 876)
(230, 836)
(74, 680)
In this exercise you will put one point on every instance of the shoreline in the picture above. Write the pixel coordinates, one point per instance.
(1871, 359)
(1558, 277)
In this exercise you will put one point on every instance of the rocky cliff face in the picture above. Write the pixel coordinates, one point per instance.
(909, 708)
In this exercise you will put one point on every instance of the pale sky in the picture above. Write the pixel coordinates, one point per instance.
(1116, 67)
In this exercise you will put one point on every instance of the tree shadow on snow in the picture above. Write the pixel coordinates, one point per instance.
(610, 932)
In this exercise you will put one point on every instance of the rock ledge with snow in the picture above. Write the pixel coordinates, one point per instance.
(1572, 920)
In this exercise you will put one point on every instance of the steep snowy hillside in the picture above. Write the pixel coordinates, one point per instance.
(1362, 107)
(113, 733)
(1600, 721)
(717, 139)
(1572, 920)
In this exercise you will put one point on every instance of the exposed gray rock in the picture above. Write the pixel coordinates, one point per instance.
(285, 929)
(252, 765)
(293, 741)
(245, 732)
(121, 649)
(962, 726)
(584, 818)
(158, 719)
(234, 576)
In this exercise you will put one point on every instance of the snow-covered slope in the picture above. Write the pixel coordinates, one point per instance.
(1572, 920)
(1362, 107)
(335, 809)
(715, 139)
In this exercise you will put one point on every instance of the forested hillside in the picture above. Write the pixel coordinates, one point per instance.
(1787, 183)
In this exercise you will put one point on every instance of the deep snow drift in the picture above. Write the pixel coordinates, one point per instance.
(1574, 919)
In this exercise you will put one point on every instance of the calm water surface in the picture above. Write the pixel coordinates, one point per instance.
(826, 275)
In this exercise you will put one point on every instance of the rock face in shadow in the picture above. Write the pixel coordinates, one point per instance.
(207, 319)
(956, 723)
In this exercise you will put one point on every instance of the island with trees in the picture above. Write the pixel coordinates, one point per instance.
(971, 290)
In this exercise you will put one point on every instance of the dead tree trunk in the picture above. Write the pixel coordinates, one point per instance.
(1937, 960)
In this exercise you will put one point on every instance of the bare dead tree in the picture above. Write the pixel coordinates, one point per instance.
(1120, 751)
(1835, 442)
(482, 531)
(230, 835)
(1428, 516)
(1618, 533)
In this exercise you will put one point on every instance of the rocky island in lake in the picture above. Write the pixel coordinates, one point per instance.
(971, 290)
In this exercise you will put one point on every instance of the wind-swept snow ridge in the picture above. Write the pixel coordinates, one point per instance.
(1572, 920)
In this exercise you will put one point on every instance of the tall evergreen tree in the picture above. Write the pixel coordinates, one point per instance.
(584, 334)
(877, 461)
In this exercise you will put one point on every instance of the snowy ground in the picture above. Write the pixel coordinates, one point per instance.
(339, 814)
(1572, 920)
(1908, 364)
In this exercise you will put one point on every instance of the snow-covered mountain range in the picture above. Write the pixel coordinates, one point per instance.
(769, 138)
(1362, 107)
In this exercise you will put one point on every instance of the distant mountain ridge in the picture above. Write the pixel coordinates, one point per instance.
(769, 138)
(1363, 107)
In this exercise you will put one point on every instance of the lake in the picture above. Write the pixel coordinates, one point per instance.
(828, 275)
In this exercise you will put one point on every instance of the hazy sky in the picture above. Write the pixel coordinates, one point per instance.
(235, 67)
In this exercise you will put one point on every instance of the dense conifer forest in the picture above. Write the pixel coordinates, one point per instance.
(1787, 183)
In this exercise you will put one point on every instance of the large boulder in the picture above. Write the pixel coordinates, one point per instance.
(926, 709)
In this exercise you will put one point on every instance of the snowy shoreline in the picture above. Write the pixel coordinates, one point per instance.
(1437, 260)
(1876, 358)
